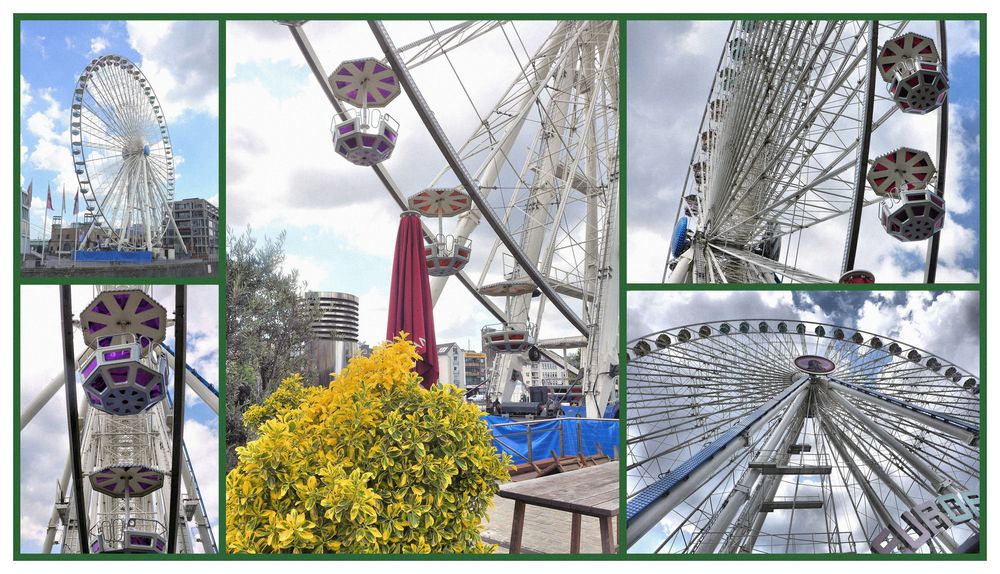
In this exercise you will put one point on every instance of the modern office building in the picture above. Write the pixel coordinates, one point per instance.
(335, 332)
(544, 372)
(475, 369)
(198, 223)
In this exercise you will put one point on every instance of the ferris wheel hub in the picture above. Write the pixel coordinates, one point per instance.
(814, 364)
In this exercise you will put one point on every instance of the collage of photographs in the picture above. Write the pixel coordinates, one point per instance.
(383, 285)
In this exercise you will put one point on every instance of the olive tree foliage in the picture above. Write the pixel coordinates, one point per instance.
(267, 327)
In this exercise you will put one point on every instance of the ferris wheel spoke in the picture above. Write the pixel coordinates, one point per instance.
(766, 265)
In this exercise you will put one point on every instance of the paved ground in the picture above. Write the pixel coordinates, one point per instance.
(545, 531)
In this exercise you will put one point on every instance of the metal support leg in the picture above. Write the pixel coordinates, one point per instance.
(177, 448)
(73, 417)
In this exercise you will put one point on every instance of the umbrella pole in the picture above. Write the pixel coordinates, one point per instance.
(125, 529)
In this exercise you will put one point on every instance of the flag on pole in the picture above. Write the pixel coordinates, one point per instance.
(76, 203)
(64, 201)
(48, 200)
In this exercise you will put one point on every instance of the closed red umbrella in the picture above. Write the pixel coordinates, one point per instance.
(410, 307)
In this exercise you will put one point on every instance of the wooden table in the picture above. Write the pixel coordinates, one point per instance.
(589, 491)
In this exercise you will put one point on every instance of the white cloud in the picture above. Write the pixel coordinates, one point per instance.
(647, 254)
(25, 94)
(963, 38)
(180, 58)
(313, 272)
(50, 128)
(178, 162)
(946, 325)
(98, 45)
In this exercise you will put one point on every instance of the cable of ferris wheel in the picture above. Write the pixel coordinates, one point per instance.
(461, 84)
(743, 115)
(458, 168)
(827, 173)
(314, 64)
(843, 440)
(740, 170)
(496, 149)
(436, 36)
(740, 458)
(755, 100)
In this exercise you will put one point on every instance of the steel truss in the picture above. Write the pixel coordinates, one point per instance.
(553, 209)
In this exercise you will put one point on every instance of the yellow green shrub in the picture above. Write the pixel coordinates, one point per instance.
(289, 395)
(373, 463)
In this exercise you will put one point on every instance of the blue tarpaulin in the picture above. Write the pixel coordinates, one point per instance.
(116, 256)
(512, 438)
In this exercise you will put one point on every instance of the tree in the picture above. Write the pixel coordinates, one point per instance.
(267, 326)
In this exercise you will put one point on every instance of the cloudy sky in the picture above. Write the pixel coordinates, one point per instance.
(180, 59)
(944, 323)
(670, 69)
(283, 174)
(44, 445)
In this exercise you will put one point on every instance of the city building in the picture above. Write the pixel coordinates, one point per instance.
(545, 373)
(198, 223)
(475, 369)
(25, 222)
(335, 333)
(64, 238)
(451, 365)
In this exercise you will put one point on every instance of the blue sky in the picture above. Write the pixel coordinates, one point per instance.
(180, 59)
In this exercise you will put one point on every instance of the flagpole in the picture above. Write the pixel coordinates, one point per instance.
(63, 225)
(31, 195)
(45, 221)
(76, 224)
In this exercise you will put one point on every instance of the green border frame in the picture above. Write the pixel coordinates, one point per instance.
(624, 287)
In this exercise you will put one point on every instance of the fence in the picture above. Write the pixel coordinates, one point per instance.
(530, 441)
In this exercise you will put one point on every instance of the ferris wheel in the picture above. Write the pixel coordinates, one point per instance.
(769, 436)
(539, 167)
(122, 156)
(135, 488)
(799, 143)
